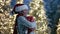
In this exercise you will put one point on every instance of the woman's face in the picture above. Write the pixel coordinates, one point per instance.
(25, 12)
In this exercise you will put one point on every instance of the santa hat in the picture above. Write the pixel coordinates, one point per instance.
(19, 7)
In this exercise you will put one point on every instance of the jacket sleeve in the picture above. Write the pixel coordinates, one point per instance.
(22, 20)
(34, 24)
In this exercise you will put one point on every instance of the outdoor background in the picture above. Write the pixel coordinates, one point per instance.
(37, 10)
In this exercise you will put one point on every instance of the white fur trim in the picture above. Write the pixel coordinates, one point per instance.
(20, 8)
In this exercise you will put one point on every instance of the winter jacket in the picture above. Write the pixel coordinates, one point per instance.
(22, 24)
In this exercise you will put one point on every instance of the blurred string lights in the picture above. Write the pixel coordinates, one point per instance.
(7, 22)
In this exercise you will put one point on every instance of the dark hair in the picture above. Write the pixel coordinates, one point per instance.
(18, 12)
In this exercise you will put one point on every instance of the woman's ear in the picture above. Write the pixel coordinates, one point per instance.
(22, 12)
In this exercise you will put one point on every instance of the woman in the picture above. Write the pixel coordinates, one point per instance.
(23, 25)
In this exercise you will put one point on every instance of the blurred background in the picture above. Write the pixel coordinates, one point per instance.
(37, 10)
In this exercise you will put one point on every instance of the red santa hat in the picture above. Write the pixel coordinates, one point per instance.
(19, 7)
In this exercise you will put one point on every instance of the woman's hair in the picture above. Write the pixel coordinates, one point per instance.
(18, 12)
